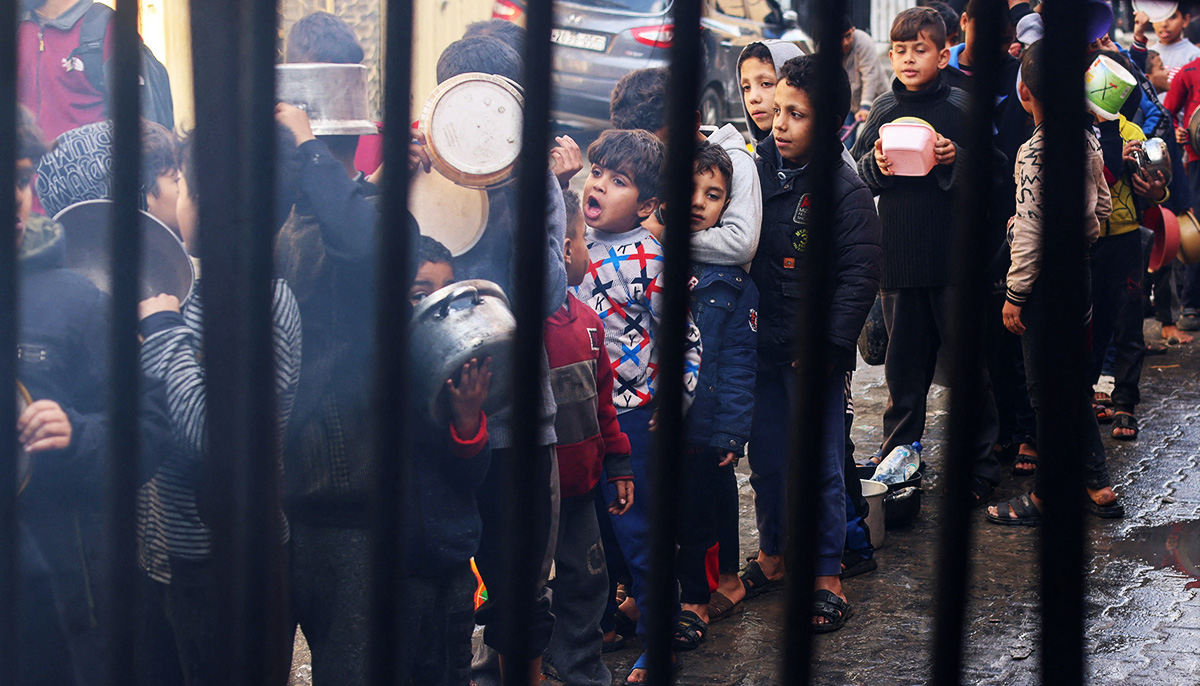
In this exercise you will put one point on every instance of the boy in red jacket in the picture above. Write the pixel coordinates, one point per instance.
(589, 440)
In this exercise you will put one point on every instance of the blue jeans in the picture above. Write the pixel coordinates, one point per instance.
(770, 451)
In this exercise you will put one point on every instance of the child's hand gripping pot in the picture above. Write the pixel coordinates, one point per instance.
(466, 398)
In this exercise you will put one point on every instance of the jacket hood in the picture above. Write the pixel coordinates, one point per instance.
(42, 245)
(781, 51)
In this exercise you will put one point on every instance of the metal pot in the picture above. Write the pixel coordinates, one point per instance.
(333, 95)
(902, 503)
(1189, 238)
(1152, 157)
(469, 319)
(166, 267)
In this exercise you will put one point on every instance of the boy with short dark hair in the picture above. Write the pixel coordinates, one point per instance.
(724, 306)
(918, 213)
(589, 440)
(623, 285)
(435, 269)
(484, 54)
(322, 37)
(1173, 47)
(784, 170)
(160, 173)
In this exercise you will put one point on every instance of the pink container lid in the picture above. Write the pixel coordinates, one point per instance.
(908, 144)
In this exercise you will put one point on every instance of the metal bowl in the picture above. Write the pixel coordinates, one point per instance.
(333, 95)
(1151, 157)
(166, 267)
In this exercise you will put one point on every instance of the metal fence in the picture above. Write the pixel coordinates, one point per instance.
(234, 53)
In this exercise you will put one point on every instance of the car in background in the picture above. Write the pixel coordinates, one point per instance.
(596, 42)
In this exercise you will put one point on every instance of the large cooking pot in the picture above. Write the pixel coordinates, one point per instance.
(166, 267)
(24, 464)
(333, 95)
(1165, 226)
(465, 320)
(1152, 157)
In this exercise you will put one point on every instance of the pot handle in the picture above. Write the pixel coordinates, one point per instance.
(458, 294)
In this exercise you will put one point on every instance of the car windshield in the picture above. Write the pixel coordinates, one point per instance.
(632, 6)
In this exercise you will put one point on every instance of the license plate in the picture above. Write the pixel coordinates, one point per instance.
(577, 39)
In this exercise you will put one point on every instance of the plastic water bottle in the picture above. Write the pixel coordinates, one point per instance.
(899, 465)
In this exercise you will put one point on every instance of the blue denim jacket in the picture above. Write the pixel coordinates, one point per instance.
(724, 304)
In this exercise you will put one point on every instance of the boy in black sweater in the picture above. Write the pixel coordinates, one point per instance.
(917, 216)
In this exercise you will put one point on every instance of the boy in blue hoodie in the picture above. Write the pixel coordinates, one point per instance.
(723, 304)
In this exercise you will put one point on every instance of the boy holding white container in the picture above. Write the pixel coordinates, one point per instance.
(917, 213)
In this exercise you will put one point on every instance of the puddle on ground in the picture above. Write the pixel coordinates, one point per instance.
(1174, 546)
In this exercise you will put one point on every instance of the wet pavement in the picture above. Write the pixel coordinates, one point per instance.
(1143, 623)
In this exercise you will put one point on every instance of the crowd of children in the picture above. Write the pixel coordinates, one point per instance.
(751, 223)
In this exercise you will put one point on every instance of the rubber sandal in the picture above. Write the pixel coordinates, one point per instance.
(826, 604)
(753, 574)
(1104, 414)
(1124, 420)
(1027, 513)
(1189, 320)
(721, 606)
(1022, 458)
(614, 646)
(690, 631)
(1114, 510)
(1102, 398)
(624, 624)
(854, 564)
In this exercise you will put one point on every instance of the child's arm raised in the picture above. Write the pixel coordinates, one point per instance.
(466, 398)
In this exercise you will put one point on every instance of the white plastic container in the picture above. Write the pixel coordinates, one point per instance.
(874, 492)
(908, 145)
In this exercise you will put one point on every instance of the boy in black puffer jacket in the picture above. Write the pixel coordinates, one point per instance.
(787, 182)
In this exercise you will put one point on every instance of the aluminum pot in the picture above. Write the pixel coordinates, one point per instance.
(166, 267)
(465, 320)
(333, 95)
(1152, 157)
(1189, 238)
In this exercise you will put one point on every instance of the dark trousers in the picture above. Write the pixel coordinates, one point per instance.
(858, 534)
(917, 324)
(1117, 269)
(189, 601)
(631, 531)
(440, 612)
(726, 511)
(697, 525)
(1006, 367)
(1190, 296)
(1036, 343)
(580, 587)
(775, 398)
(495, 545)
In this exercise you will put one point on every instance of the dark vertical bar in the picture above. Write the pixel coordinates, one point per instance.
(392, 412)
(666, 469)
(968, 309)
(233, 57)
(526, 552)
(808, 426)
(1061, 418)
(124, 369)
(9, 552)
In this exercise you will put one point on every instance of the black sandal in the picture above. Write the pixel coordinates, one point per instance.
(690, 631)
(1113, 510)
(1027, 513)
(835, 610)
(854, 564)
(1124, 420)
(1104, 413)
(1023, 458)
(756, 582)
(979, 491)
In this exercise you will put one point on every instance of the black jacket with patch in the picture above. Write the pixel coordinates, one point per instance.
(854, 269)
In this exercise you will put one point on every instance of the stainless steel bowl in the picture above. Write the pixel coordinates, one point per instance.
(1153, 156)
(333, 95)
(166, 267)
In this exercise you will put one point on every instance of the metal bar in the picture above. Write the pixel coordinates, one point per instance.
(968, 309)
(125, 367)
(666, 467)
(233, 56)
(525, 552)
(807, 425)
(1062, 416)
(392, 408)
(9, 549)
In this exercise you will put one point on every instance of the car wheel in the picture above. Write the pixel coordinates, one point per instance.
(710, 108)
